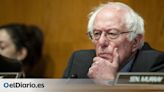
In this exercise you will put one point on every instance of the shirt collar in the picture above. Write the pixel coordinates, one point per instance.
(127, 66)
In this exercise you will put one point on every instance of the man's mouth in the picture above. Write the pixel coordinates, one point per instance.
(105, 55)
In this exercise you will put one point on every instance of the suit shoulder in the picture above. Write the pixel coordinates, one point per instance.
(85, 52)
(152, 52)
(149, 61)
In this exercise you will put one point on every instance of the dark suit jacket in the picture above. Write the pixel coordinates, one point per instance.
(147, 60)
(9, 65)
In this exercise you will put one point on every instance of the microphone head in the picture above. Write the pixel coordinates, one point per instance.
(74, 76)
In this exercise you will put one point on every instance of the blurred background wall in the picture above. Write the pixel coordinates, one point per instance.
(64, 24)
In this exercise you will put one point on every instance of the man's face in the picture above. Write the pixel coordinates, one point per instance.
(107, 21)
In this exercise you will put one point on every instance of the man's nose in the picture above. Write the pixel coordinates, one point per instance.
(103, 41)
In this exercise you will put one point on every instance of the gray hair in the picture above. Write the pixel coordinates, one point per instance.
(133, 21)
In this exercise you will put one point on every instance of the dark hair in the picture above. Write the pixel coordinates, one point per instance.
(27, 36)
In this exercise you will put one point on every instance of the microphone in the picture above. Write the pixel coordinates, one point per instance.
(73, 76)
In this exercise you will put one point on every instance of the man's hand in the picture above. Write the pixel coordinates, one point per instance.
(104, 69)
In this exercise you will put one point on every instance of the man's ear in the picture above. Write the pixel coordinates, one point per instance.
(137, 42)
(22, 54)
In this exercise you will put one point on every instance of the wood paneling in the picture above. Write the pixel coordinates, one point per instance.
(64, 23)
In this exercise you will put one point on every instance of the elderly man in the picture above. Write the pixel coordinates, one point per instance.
(118, 35)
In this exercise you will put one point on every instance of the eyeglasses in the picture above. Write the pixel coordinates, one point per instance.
(112, 34)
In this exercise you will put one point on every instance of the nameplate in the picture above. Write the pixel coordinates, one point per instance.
(10, 75)
(139, 78)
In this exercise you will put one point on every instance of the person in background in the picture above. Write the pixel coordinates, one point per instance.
(23, 43)
(117, 33)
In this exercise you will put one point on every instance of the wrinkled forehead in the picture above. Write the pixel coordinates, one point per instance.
(110, 17)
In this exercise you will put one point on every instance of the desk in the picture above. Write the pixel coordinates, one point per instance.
(70, 85)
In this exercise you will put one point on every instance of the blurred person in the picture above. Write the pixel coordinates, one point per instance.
(9, 65)
(117, 33)
(22, 43)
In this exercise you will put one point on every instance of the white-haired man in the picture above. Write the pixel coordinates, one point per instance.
(118, 35)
